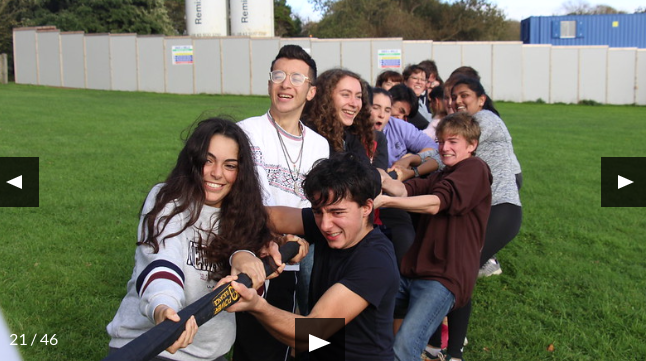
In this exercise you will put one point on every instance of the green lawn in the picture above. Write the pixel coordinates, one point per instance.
(573, 278)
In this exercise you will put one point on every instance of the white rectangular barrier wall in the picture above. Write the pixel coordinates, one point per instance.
(97, 61)
(621, 75)
(73, 59)
(640, 93)
(564, 75)
(49, 57)
(151, 64)
(509, 71)
(236, 70)
(123, 62)
(25, 57)
(536, 72)
(592, 70)
(208, 66)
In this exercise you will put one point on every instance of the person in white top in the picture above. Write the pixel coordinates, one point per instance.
(285, 149)
(190, 231)
(284, 152)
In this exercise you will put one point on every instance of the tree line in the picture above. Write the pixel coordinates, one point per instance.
(461, 20)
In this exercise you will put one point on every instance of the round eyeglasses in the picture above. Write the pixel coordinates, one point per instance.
(417, 79)
(279, 76)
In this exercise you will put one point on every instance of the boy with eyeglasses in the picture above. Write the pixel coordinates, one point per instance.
(284, 152)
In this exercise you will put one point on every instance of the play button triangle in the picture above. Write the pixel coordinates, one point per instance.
(316, 343)
(622, 182)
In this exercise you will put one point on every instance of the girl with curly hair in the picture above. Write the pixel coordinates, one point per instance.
(340, 112)
(206, 221)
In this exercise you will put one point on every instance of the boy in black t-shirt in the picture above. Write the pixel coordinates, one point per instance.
(355, 275)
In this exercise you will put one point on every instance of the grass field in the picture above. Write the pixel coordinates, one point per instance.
(574, 278)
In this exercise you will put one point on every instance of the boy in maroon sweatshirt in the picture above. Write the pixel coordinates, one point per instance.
(439, 270)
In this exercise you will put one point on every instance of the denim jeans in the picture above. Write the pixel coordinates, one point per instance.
(427, 302)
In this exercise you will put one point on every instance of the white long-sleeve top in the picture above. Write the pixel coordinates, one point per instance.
(176, 276)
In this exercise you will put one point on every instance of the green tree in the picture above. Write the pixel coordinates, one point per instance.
(176, 10)
(471, 20)
(102, 16)
(286, 24)
(11, 13)
(8, 19)
(321, 5)
(411, 19)
(91, 16)
(512, 31)
(354, 19)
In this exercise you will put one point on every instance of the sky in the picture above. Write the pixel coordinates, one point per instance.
(514, 9)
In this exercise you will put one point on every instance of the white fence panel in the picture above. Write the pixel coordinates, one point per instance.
(593, 63)
(536, 72)
(564, 76)
(73, 59)
(507, 71)
(236, 69)
(621, 75)
(640, 91)
(151, 64)
(49, 57)
(123, 62)
(208, 65)
(97, 61)
(25, 56)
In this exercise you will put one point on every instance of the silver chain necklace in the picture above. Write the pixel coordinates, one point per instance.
(293, 174)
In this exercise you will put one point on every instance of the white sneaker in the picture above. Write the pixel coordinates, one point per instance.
(490, 268)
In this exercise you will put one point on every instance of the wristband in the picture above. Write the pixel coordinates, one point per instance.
(240, 250)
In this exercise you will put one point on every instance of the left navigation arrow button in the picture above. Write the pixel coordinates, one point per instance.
(16, 182)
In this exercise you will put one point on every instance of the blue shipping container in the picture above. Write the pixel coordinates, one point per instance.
(614, 30)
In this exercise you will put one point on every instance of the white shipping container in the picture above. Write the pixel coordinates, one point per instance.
(206, 17)
(252, 18)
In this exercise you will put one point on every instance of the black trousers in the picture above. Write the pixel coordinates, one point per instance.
(253, 341)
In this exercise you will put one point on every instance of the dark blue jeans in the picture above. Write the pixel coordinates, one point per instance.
(426, 303)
